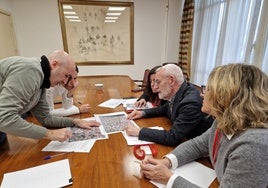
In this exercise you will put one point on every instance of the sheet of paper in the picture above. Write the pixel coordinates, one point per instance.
(113, 122)
(55, 174)
(116, 122)
(195, 173)
(79, 134)
(129, 101)
(134, 140)
(128, 104)
(79, 146)
(111, 103)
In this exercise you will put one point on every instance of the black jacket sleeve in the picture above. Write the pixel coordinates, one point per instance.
(145, 96)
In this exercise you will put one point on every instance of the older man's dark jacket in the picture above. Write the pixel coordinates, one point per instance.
(187, 119)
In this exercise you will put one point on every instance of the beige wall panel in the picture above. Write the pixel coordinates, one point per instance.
(8, 44)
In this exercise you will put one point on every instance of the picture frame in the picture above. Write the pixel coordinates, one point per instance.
(98, 32)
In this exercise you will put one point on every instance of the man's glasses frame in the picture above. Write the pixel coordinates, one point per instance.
(203, 89)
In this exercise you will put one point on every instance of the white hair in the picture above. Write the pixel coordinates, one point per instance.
(173, 70)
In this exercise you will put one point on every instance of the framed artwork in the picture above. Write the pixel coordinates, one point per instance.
(98, 32)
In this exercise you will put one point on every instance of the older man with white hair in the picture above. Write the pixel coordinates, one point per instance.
(183, 109)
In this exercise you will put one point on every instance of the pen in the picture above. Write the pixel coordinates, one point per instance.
(71, 180)
(51, 156)
(129, 97)
(79, 102)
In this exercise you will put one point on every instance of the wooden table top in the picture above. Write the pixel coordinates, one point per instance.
(110, 163)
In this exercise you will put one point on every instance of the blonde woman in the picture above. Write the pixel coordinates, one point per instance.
(237, 143)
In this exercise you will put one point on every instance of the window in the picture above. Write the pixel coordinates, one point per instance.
(228, 31)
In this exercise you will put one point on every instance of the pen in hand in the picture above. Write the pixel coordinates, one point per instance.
(51, 156)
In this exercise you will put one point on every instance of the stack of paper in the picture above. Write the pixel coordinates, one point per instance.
(56, 174)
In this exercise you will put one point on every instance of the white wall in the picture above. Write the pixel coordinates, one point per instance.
(5, 5)
(156, 31)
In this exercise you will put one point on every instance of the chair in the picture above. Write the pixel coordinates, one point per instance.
(200, 88)
(142, 83)
(195, 85)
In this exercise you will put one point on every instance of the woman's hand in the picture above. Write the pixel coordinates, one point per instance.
(140, 103)
(156, 170)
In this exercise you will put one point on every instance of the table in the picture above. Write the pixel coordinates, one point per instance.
(110, 163)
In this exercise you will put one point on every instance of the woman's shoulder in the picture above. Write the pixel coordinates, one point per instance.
(256, 131)
(254, 135)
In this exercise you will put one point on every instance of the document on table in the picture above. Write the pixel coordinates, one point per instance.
(78, 146)
(129, 106)
(195, 173)
(134, 140)
(111, 103)
(129, 101)
(55, 174)
(113, 122)
(79, 134)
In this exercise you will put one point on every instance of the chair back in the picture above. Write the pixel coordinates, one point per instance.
(145, 78)
(142, 83)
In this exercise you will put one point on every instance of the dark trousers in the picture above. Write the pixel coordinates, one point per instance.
(3, 137)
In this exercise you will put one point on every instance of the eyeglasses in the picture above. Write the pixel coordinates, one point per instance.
(203, 89)
(157, 82)
(152, 81)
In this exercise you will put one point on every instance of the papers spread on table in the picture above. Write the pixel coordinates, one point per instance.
(117, 122)
(194, 172)
(84, 139)
(81, 141)
(55, 174)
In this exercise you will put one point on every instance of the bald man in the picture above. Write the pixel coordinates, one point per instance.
(23, 83)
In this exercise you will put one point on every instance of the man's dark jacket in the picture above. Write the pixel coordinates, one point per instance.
(187, 119)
